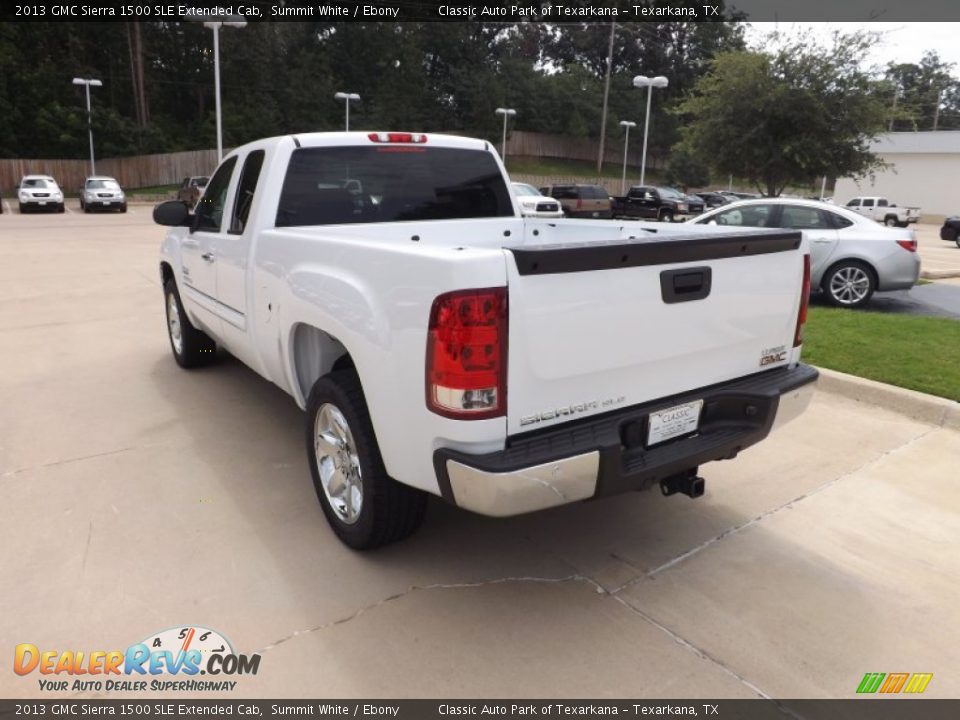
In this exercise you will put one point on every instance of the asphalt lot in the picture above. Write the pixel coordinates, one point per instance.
(141, 497)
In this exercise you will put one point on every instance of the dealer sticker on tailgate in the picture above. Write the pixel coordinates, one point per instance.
(673, 422)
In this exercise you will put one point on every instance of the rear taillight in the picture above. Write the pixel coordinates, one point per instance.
(467, 354)
(395, 137)
(579, 203)
(910, 245)
(804, 302)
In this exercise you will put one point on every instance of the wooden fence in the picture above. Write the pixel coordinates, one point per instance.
(131, 172)
(168, 168)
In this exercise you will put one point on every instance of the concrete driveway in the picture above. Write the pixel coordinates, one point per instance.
(140, 497)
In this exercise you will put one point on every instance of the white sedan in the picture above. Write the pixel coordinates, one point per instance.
(850, 256)
(533, 204)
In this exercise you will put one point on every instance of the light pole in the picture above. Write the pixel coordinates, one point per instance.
(215, 26)
(506, 112)
(641, 81)
(347, 97)
(87, 83)
(627, 124)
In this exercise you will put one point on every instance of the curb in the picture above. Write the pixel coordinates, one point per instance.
(939, 274)
(917, 405)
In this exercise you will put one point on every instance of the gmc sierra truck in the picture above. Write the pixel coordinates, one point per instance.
(884, 211)
(441, 343)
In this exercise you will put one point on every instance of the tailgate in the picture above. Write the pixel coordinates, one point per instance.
(596, 327)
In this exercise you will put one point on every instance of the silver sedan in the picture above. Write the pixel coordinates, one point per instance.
(850, 256)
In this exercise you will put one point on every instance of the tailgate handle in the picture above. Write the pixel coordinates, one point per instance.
(685, 284)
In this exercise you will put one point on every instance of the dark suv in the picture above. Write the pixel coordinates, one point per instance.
(584, 201)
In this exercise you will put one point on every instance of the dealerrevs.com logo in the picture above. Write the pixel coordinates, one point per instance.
(171, 660)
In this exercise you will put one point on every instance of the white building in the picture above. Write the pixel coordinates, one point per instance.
(924, 172)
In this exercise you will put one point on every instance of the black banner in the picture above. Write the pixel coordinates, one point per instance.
(508, 11)
(857, 709)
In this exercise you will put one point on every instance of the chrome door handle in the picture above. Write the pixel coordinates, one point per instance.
(208, 257)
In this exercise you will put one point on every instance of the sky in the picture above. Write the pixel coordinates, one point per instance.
(902, 42)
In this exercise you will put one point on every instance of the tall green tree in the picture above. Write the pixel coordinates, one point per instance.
(788, 115)
(920, 88)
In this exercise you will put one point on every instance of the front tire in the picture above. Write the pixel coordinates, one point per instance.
(191, 347)
(666, 216)
(849, 284)
(365, 507)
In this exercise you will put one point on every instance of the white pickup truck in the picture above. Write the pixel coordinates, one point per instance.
(443, 344)
(884, 211)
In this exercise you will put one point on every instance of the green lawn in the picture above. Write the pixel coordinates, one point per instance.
(576, 168)
(153, 190)
(919, 353)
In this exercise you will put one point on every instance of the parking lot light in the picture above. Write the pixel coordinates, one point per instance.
(506, 112)
(641, 81)
(626, 124)
(87, 83)
(215, 26)
(347, 97)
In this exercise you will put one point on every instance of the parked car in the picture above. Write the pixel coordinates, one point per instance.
(884, 211)
(695, 204)
(581, 201)
(713, 199)
(533, 204)
(100, 192)
(39, 192)
(191, 189)
(442, 344)
(951, 229)
(656, 203)
(851, 256)
(737, 195)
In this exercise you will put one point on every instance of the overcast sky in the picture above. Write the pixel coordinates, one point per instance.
(902, 42)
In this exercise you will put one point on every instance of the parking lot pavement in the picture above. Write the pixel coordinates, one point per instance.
(141, 497)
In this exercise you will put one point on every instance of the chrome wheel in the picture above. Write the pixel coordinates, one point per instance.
(173, 324)
(850, 285)
(337, 463)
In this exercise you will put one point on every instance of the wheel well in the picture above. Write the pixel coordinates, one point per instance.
(166, 272)
(314, 353)
(869, 268)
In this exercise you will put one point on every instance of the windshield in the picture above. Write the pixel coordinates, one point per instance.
(670, 193)
(388, 183)
(524, 189)
(35, 183)
(199, 181)
(102, 185)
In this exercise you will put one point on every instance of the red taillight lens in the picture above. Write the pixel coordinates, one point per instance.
(395, 137)
(467, 354)
(910, 245)
(804, 303)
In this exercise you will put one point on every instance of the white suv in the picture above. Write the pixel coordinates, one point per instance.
(40, 192)
(102, 193)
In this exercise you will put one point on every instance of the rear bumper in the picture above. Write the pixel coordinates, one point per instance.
(606, 455)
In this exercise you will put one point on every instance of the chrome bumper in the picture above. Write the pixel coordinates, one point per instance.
(605, 455)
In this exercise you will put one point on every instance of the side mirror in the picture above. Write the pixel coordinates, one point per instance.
(172, 213)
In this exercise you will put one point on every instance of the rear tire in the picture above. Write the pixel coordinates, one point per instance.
(191, 347)
(849, 284)
(365, 507)
(890, 221)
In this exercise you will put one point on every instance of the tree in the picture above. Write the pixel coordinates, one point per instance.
(928, 96)
(789, 115)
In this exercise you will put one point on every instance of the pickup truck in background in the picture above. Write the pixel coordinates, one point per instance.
(440, 343)
(654, 203)
(885, 212)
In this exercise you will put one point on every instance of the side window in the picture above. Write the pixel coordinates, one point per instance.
(868, 202)
(185, 183)
(745, 216)
(796, 217)
(854, 203)
(882, 202)
(245, 189)
(214, 200)
(839, 222)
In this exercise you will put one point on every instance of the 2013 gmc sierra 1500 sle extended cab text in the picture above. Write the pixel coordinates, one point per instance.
(440, 343)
